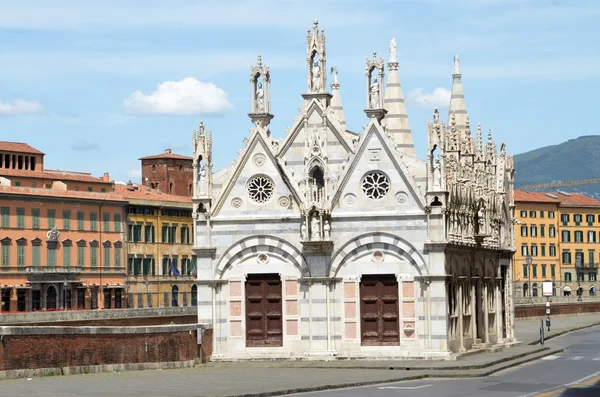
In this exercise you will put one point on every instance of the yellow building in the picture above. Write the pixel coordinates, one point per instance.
(537, 238)
(161, 269)
(556, 237)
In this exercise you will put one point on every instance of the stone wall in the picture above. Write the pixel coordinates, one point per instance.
(57, 347)
(123, 317)
(556, 309)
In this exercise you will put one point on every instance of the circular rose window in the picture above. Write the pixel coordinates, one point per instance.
(261, 189)
(375, 185)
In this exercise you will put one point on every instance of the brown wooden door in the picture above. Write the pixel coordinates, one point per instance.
(264, 319)
(379, 310)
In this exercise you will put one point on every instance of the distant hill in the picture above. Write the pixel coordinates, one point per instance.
(572, 160)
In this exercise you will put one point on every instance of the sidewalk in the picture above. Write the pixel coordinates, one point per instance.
(528, 331)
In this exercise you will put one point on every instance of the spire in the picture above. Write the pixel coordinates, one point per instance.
(336, 100)
(457, 98)
(396, 120)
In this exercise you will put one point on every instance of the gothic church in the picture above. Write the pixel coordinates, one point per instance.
(335, 243)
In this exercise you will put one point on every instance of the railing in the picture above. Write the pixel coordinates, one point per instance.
(62, 269)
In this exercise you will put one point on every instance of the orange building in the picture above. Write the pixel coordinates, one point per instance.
(558, 232)
(60, 235)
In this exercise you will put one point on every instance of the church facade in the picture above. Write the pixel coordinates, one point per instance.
(332, 243)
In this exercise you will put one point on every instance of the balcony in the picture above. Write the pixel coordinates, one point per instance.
(54, 269)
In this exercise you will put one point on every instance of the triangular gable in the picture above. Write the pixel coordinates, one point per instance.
(21, 241)
(36, 241)
(257, 140)
(314, 106)
(6, 240)
(375, 132)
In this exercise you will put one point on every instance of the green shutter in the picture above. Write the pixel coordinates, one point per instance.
(117, 256)
(20, 255)
(35, 255)
(93, 221)
(51, 219)
(21, 218)
(51, 251)
(117, 222)
(80, 256)
(66, 256)
(5, 255)
(80, 218)
(66, 219)
(106, 221)
(93, 256)
(106, 256)
(5, 217)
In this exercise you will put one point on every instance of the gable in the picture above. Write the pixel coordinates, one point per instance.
(375, 180)
(259, 184)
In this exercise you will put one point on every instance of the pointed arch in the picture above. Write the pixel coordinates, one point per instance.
(250, 245)
(382, 240)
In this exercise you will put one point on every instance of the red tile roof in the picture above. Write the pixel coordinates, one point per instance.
(565, 200)
(533, 197)
(142, 194)
(576, 199)
(53, 175)
(168, 154)
(18, 147)
(70, 194)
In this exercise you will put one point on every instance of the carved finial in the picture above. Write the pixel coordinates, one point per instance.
(375, 56)
(467, 123)
(490, 135)
(259, 61)
(456, 65)
(315, 24)
(453, 119)
(479, 135)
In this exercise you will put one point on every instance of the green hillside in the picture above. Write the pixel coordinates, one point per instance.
(569, 161)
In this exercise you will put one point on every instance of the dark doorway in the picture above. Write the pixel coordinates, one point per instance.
(264, 322)
(51, 298)
(194, 295)
(174, 296)
(379, 310)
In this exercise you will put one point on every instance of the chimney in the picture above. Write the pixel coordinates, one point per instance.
(168, 151)
(130, 185)
(105, 177)
(158, 190)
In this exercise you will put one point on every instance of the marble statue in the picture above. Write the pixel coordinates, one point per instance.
(393, 50)
(315, 233)
(456, 67)
(326, 231)
(202, 179)
(481, 219)
(374, 95)
(437, 174)
(335, 74)
(436, 116)
(260, 99)
(303, 231)
(316, 77)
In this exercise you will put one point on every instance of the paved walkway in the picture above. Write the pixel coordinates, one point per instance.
(277, 378)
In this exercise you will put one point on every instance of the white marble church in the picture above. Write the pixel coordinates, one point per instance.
(335, 243)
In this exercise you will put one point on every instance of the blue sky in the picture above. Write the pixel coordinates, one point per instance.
(98, 84)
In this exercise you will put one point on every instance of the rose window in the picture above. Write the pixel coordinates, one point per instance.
(260, 189)
(375, 185)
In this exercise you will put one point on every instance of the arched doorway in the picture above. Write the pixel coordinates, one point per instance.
(194, 295)
(525, 290)
(51, 298)
(534, 290)
(174, 296)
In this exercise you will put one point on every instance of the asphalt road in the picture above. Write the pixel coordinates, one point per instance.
(573, 373)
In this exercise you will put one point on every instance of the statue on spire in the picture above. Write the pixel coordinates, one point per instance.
(456, 66)
(316, 76)
(334, 72)
(393, 50)
(316, 59)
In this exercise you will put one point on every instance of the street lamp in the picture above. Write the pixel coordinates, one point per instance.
(529, 261)
(65, 294)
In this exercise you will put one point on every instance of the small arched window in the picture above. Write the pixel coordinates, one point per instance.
(153, 168)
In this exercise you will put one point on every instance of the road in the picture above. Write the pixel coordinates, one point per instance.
(573, 373)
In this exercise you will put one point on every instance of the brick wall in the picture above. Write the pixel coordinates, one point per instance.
(53, 347)
(167, 172)
(522, 312)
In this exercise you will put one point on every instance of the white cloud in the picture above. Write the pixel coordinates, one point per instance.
(184, 97)
(19, 107)
(84, 146)
(439, 98)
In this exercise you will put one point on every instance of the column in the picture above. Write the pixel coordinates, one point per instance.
(474, 313)
(499, 316)
(30, 300)
(88, 299)
(461, 347)
(486, 318)
(13, 300)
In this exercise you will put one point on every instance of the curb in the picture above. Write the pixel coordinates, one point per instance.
(537, 342)
(394, 380)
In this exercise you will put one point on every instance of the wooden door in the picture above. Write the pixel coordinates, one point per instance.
(264, 319)
(379, 310)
